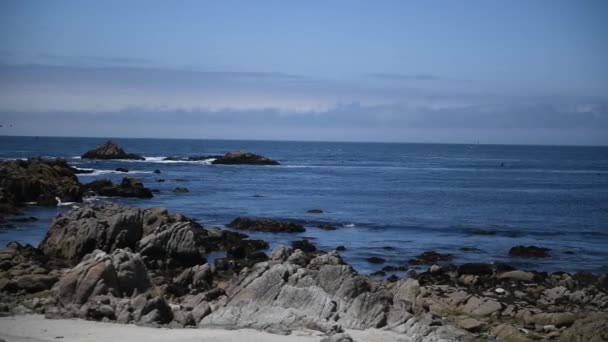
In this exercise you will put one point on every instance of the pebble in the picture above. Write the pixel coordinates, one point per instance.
(499, 290)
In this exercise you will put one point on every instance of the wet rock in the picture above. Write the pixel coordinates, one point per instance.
(476, 269)
(391, 268)
(181, 190)
(265, 225)
(110, 150)
(157, 171)
(303, 245)
(529, 252)
(340, 248)
(314, 211)
(129, 187)
(246, 158)
(430, 257)
(378, 274)
(122, 169)
(37, 180)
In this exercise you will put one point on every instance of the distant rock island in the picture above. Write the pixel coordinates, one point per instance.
(110, 150)
(231, 158)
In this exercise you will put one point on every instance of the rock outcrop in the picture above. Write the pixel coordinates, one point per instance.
(110, 150)
(265, 225)
(244, 158)
(128, 187)
(37, 180)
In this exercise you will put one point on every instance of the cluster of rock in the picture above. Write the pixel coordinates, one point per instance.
(265, 225)
(110, 150)
(36, 180)
(148, 266)
(246, 158)
(128, 187)
(45, 181)
(231, 158)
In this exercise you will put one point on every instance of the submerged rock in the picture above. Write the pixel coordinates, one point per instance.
(430, 257)
(110, 150)
(265, 225)
(181, 190)
(529, 252)
(245, 158)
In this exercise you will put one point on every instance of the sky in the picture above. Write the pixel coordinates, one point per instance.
(506, 72)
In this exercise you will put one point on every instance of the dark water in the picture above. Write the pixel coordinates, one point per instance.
(389, 200)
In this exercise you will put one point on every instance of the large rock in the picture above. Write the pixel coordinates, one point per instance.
(129, 187)
(121, 273)
(37, 180)
(265, 225)
(162, 238)
(247, 158)
(110, 150)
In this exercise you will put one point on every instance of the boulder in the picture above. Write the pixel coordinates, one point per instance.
(246, 158)
(529, 252)
(129, 187)
(303, 245)
(110, 150)
(37, 180)
(265, 225)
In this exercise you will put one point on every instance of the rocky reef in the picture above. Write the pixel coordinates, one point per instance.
(110, 150)
(245, 158)
(38, 181)
(148, 266)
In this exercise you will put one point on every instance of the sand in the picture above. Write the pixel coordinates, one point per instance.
(34, 328)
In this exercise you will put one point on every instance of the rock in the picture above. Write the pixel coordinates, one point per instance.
(499, 290)
(121, 169)
(99, 273)
(129, 187)
(378, 274)
(529, 252)
(314, 211)
(593, 328)
(557, 319)
(470, 324)
(246, 158)
(156, 310)
(110, 150)
(36, 282)
(265, 225)
(341, 248)
(37, 180)
(157, 171)
(430, 258)
(303, 245)
(517, 275)
(508, 333)
(181, 190)
(481, 306)
(375, 260)
(476, 269)
(326, 226)
(391, 268)
(392, 278)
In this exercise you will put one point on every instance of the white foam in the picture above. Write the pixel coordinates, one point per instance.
(105, 172)
(349, 225)
(161, 160)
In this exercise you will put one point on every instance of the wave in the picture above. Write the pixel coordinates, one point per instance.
(105, 172)
(161, 160)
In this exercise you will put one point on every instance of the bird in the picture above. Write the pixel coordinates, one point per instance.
(65, 204)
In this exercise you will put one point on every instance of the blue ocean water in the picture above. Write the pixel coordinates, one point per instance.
(388, 200)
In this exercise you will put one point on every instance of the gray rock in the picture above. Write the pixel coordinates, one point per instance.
(517, 275)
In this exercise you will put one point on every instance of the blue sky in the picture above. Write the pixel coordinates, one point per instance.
(425, 71)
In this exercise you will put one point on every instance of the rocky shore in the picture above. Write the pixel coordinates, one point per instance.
(121, 264)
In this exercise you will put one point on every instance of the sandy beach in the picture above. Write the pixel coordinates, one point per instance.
(29, 328)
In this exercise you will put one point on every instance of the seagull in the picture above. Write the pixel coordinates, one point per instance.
(65, 204)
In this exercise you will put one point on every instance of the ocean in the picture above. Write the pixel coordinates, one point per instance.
(392, 200)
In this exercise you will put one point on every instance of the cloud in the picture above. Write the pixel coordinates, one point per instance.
(156, 102)
(404, 77)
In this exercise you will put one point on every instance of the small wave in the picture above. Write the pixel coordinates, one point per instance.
(105, 172)
(349, 225)
(161, 160)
